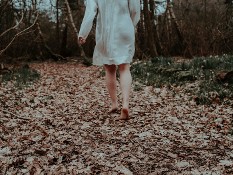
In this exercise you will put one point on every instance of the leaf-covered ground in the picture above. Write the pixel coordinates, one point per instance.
(60, 125)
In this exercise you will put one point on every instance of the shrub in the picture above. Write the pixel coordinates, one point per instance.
(21, 76)
(203, 71)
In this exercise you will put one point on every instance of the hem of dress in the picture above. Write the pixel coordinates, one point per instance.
(112, 61)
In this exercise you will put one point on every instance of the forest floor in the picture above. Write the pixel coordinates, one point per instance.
(60, 125)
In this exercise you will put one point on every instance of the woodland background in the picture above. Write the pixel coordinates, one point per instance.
(54, 110)
(187, 28)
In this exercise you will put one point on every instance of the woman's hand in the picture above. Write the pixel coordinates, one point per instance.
(81, 40)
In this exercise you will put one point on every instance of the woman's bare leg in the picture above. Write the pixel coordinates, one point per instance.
(111, 85)
(125, 83)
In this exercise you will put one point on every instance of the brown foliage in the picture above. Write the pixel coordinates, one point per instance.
(61, 125)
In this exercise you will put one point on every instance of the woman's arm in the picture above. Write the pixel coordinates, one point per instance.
(90, 12)
(135, 9)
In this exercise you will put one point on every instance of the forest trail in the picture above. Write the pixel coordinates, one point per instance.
(60, 125)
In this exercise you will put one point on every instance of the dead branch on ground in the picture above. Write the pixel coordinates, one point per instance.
(54, 56)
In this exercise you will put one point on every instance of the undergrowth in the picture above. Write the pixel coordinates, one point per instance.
(202, 71)
(20, 77)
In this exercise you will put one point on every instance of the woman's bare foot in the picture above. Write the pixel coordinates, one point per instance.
(113, 110)
(124, 114)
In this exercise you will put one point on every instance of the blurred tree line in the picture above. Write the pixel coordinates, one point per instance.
(186, 28)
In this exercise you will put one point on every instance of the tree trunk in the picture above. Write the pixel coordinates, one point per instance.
(184, 44)
(57, 22)
(64, 40)
(70, 17)
(50, 53)
(149, 30)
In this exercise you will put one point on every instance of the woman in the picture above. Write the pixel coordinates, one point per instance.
(115, 39)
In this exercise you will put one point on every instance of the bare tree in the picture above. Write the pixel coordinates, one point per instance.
(17, 35)
(148, 19)
(186, 28)
(75, 31)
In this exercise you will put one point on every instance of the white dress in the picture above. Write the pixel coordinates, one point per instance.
(115, 29)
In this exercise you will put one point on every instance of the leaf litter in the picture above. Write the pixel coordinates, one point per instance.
(60, 125)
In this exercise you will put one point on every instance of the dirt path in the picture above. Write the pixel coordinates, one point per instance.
(60, 125)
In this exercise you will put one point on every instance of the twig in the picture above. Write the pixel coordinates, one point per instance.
(18, 34)
(14, 115)
(13, 26)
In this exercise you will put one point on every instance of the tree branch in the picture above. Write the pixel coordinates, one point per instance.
(14, 27)
(18, 34)
(14, 114)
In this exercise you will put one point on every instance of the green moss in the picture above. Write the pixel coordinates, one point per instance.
(21, 77)
(165, 71)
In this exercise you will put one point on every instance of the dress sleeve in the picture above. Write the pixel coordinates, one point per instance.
(135, 9)
(90, 12)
